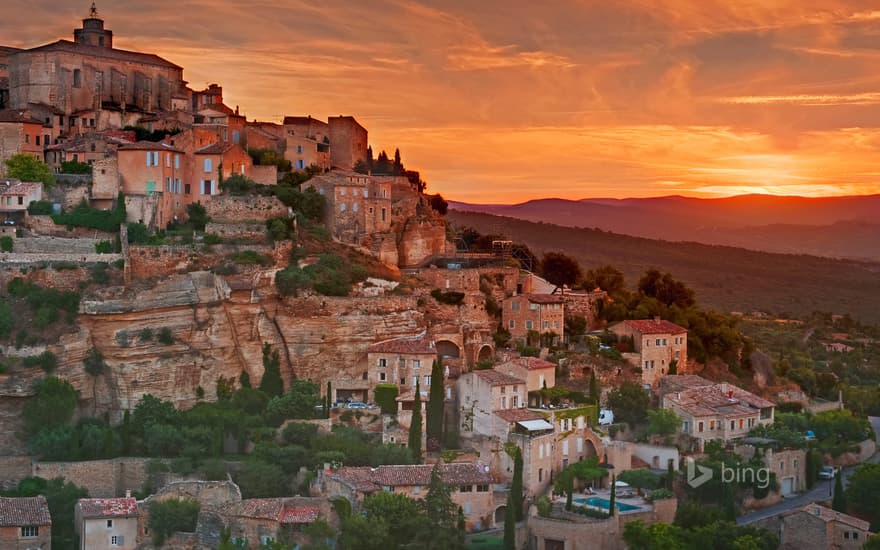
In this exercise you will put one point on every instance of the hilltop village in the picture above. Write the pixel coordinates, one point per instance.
(228, 333)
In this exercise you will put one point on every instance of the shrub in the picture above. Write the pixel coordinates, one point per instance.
(138, 233)
(386, 397)
(169, 516)
(166, 336)
(99, 274)
(236, 184)
(451, 297)
(6, 243)
(211, 238)
(197, 215)
(40, 208)
(146, 334)
(660, 494)
(104, 247)
(545, 506)
(590, 512)
(75, 167)
(84, 216)
(213, 469)
(46, 361)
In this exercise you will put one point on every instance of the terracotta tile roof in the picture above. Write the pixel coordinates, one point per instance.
(723, 400)
(100, 51)
(518, 415)
(20, 188)
(301, 120)
(635, 463)
(215, 107)
(529, 363)
(275, 509)
(420, 343)
(495, 378)
(216, 148)
(17, 512)
(828, 515)
(545, 298)
(149, 146)
(367, 479)
(410, 395)
(108, 507)
(651, 326)
(18, 116)
(679, 382)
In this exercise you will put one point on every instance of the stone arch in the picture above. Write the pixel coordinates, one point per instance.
(500, 512)
(448, 348)
(486, 352)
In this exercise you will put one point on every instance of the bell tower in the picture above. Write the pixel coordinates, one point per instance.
(92, 32)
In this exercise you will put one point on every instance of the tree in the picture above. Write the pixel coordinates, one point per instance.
(666, 290)
(606, 278)
(641, 478)
(613, 497)
(415, 427)
(838, 503)
(52, 406)
(559, 269)
(439, 204)
(510, 524)
(197, 215)
(673, 367)
(259, 479)
(299, 402)
(61, 498)
(516, 485)
(271, 383)
(629, 403)
(442, 514)
(169, 516)
(595, 392)
(328, 400)
(361, 533)
(29, 168)
(434, 420)
(663, 422)
(862, 489)
(402, 515)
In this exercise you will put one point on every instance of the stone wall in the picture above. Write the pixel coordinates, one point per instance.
(229, 209)
(43, 225)
(13, 469)
(103, 478)
(250, 231)
(61, 279)
(70, 191)
(105, 178)
(265, 175)
(147, 262)
(420, 239)
(207, 493)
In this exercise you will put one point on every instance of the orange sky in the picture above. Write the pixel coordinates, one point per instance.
(511, 100)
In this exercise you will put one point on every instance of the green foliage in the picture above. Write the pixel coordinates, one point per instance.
(516, 486)
(29, 168)
(443, 516)
(415, 429)
(7, 321)
(61, 499)
(434, 411)
(595, 392)
(559, 269)
(84, 216)
(438, 204)
(660, 494)
(75, 167)
(269, 157)
(862, 489)
(238, 185)
(838, 503)
(280, 229)
(332, 275)
(586, 470)
(271, 383)
(94, 362)
(104, 247)
(299, 402)
(629, 403)
(260, 479)
(309, 203)
(641, 478)
(138, 233)
(144, 134)
(197, 215)
(169, 516)
(52, 406)
(545, 506)
(47, 304)
(451, 297)
(663, 422)
(165, 336)
(385, 395)
(40, 208)
(509, 525)
(46, 361)
(606, 278)
(6, 243)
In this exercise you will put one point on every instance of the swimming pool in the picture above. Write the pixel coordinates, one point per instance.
(603, 503)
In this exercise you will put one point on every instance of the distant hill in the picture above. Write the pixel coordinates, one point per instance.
(840, 227)
(726, 278)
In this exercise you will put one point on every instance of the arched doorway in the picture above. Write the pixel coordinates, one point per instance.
(447, 349)
(500, 512)
(485, 353)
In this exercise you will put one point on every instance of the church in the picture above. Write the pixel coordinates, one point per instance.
(86, 85)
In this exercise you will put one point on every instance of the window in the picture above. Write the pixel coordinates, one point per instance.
(342, 207)
(299, 148)
(207, 187)
(528, 325)
(383, 362)
(151, 187)
(417, 364)
(38, 140)
(514, 305)
(381, 377)
(187, 189)
(342, 191)
(467, 507)
(354, 207)
(168, 160)
(482, 488)
(700, 427)
(532, 306)
(152, 158)
(383, 214)
(417, 489)
(504, 402)
(731, 424)
(664, 341)
(415, 380)
(208, 166)
(565, 447)
(546, 324)
(77, 78)
(403, 381)
(401, 363)
(300, 164)
(29, 531)
(646, 364)
(109, 524)
(117, 540)
(740, 423)
(366, 193)
(540, 474)
(580, 444)
(657, 342)
(177, 162)
(466, 488)
(511, 324)
(427, 379)
(514, 401)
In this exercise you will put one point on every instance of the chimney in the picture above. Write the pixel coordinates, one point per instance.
(128, 493)
(657, 318)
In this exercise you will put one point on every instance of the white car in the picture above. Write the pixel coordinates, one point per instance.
(828, 472)
(606, 417)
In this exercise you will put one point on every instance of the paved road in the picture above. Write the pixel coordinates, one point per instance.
(821, 490)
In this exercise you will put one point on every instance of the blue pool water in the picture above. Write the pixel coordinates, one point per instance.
(603, 503)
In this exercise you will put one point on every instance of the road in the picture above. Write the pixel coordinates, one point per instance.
(822, 490)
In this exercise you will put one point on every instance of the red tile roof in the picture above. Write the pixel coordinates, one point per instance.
(827, 515)
(216, 148)
(530, 363)
(420, 343)
(299, 514)
(722, 400)
(367, 479)
(149, 146)
(545, 298)
(300, 120)
(495, 378)
(17, 512)
(101, 51)
(275, 509)
(518, 415)
(108, 507)
(651, 326)
(18, 116)
(20, 188)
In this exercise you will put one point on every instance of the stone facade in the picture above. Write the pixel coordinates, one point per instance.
(401, 361)
(656, 345)
(483, 393)
(536, 373)
(19, 133)
(104, 478)
(105, 181)
(789, 466)
(542, 313)
(230, 209)
(348, 142)
(25, 523)
(107, 523)
(814, 527)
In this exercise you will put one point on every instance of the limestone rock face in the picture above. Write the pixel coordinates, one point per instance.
(421, 238)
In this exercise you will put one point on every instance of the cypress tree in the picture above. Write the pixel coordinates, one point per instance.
(415, 427)
(434, 421)
(510, 524)
(838, 503)
(594, 389)
(612, 498)
(569, 491)
(271, 384)
(516, 486)
(328, 401)
(670, 476)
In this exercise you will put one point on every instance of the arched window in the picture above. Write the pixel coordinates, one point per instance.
(77, 78)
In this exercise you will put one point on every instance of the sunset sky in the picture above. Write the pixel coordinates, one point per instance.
(512, 100)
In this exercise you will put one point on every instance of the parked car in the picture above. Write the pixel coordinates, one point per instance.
(828, 472)
(357, 405)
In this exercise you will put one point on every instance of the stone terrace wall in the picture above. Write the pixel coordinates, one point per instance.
(251, 231)
(146, 262)
(61, 279)
(13, 469)
(208, 493)
(231, 209)
(44, 225)
(103, 478)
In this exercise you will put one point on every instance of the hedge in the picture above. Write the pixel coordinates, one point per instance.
(386, 397)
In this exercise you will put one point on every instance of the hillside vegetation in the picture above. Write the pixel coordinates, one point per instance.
(726, 278)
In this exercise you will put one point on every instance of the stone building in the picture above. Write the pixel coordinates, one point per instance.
(401, 361)
(358, 206)
(348, 142)
(536, 373)
(481, 395)
(788, 465)
(209, 161)
(89, 84)
(259, 520)
(25, 523)
(15, 196)
(656, 345)
(541, 313)
(471, 484)
(307, 142)
(710, 411)
(814, 527)
(106, 523)
(20, 133)
(154, 178)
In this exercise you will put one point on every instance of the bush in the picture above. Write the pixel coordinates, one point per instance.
(104, 247)
(146, 334)
(590, 512)
(169, 516)
(386, 397)
(450, 298)
(138, 233)
(166, 336)
(545, 506)
(237, 184)
(99, 274)
(6, 243)
(40, 208)
(102, 220)
(660, 494)
(46, 361)
(211, 238)
(75, 167)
